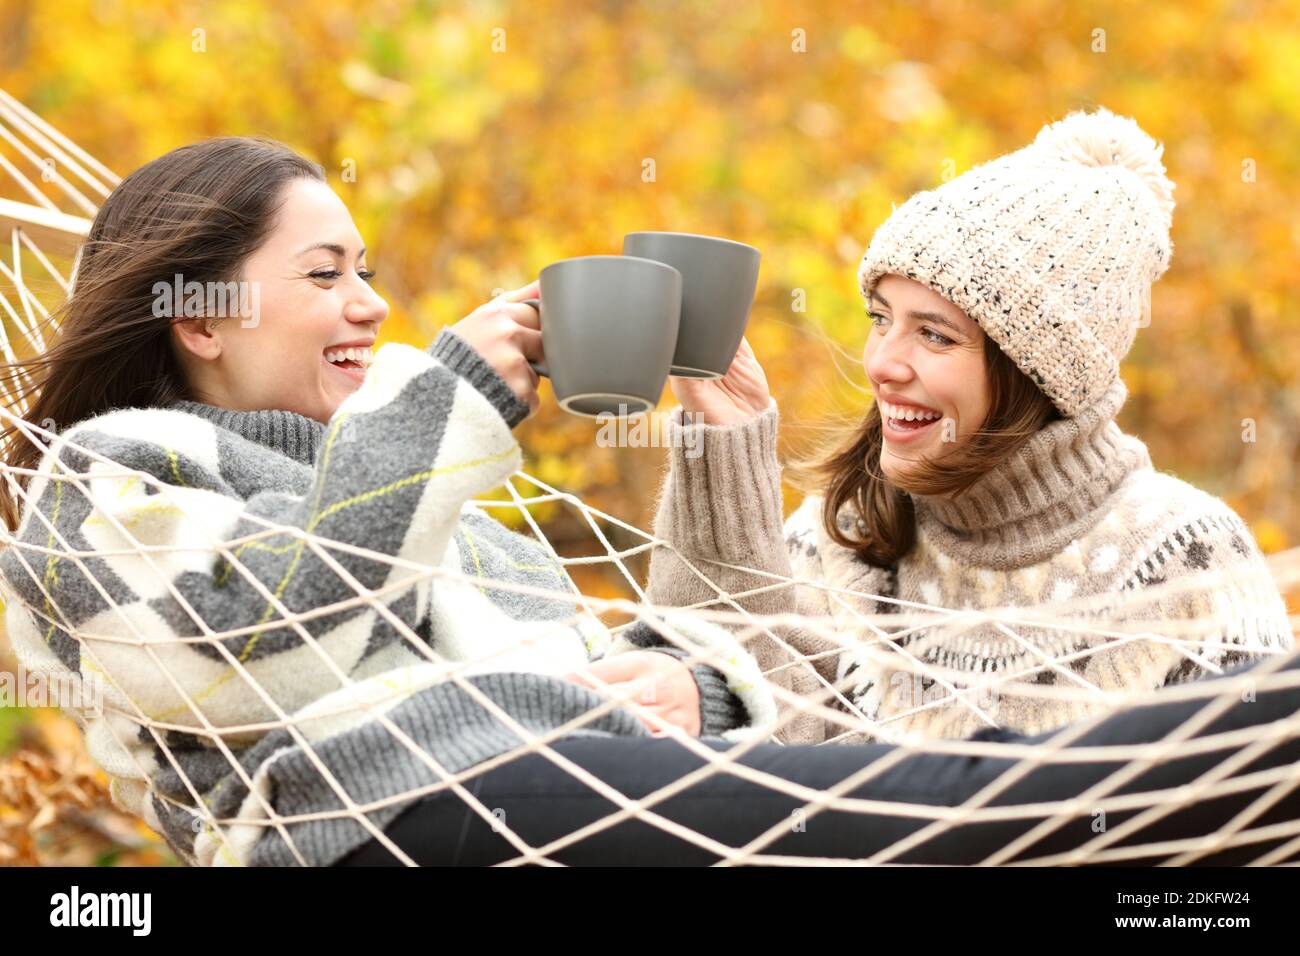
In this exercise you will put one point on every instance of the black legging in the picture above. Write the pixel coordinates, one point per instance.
(542, 802)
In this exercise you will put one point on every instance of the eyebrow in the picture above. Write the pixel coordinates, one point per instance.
(922, 316)
(333, 247)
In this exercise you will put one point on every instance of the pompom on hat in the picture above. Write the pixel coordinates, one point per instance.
(1052, 249)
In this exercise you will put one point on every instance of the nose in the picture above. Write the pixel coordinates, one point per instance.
(885, 359)
(366, 307)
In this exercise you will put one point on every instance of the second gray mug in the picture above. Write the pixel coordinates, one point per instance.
(719, 277)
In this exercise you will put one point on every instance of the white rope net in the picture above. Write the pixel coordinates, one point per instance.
(45, 226)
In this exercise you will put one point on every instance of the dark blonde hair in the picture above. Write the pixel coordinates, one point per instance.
(847, 469)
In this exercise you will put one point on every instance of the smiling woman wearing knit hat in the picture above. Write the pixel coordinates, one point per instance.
(989, 471)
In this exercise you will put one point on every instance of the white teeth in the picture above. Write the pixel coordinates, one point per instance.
(906, 414)
(360, 356)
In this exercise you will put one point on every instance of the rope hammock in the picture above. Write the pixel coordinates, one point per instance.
(58, 186)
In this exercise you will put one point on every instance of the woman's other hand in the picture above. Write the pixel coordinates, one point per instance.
(660, 683)
(508, 334)
(731, 400)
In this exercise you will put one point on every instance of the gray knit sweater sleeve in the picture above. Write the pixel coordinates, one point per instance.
(720, 709)
(465, 360)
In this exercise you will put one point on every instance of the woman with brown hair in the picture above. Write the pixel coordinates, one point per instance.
(247, 605)
(988, 473)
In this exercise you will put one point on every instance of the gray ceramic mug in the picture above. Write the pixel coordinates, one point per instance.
(609, 328)
(719, 277)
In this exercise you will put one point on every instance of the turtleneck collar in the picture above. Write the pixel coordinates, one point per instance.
(289, 433)
(1053, 489)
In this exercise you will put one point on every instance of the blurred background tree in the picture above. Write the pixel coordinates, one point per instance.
(476, 143)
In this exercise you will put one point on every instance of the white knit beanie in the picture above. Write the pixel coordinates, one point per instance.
(1052, 249)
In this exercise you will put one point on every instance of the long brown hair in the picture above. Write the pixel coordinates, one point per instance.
(848, 470)
(198, 211)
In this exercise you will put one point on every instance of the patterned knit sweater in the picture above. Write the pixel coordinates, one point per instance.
(1078, 525)
(340, 711)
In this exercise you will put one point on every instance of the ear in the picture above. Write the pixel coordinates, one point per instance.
(198, 336)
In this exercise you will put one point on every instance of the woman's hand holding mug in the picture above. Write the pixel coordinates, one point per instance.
(508, 333)
(733, 399)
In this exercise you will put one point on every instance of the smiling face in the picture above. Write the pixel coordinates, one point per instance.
(925, 358)
(310, 292)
